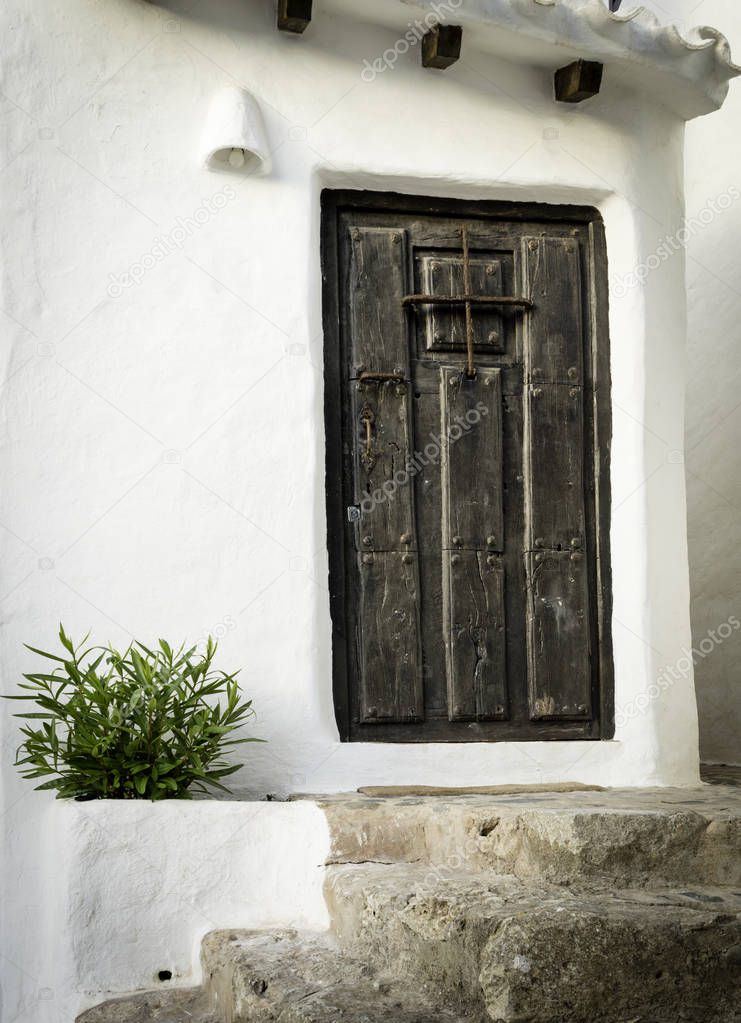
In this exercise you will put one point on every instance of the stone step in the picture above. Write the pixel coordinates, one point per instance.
(166, 1006)
(291, 977)
(496, 948)
(626, 838)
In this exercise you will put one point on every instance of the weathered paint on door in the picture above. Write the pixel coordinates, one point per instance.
(467, 460)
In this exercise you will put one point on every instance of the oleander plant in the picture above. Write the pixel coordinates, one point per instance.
(146, 723)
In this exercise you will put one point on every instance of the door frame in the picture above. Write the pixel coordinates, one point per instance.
(334, 202)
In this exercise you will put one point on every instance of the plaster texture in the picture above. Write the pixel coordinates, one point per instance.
(713, 457)
(137, 885)
(162, 448)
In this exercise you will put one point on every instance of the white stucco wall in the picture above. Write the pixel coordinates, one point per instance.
(162, 448)
(713, 459)
(714, 421)
(135, 887)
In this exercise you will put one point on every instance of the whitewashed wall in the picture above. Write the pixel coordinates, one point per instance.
(161, 450)
(713, 457)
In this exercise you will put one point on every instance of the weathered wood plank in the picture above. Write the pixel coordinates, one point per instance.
(475, 636)
(388, 638)
(427, 497)
(554, 467)
(377, 285)
(512, 559)
(472, 512)
(554, 339)
(382, 446)
(599, 409)
(558, 644)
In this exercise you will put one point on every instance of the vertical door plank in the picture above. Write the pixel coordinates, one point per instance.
(554, 400)
(473, 536)
(388, 639)
(475, 636)
(427, 497)
(554, 345)
(471, 465)
(554, 466)
(557, 596)
(377, 285)
(558, 636)
(382, 446)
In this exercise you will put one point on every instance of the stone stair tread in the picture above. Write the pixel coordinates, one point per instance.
(294, 977)
(625, 838)
(543, 952)
(170, 1005)
(483, 893)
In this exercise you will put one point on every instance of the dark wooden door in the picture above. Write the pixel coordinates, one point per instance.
(467, 469)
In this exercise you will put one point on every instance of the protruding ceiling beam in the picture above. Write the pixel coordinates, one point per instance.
(578, 81)
(294, 15)
(441, 46)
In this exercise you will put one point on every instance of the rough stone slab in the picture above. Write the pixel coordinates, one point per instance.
(166, 1006)
(542, 953)
(289, 977)
(628, 837)
(381, 791)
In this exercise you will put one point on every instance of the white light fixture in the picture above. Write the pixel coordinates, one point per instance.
(234, 137)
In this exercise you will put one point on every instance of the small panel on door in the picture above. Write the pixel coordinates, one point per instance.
(442, 274)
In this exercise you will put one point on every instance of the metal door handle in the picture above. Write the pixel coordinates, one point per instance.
(367, 417)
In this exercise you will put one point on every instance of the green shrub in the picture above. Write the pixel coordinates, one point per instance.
(142, 724)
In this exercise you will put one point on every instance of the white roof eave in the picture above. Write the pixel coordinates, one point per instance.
(688, 73)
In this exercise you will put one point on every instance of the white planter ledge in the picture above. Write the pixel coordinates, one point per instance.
(138, 884)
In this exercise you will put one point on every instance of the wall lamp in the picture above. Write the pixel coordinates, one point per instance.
(234, 136)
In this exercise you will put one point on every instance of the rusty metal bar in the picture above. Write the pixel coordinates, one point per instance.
(372, 375)
(502, 300)
(367, 418)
